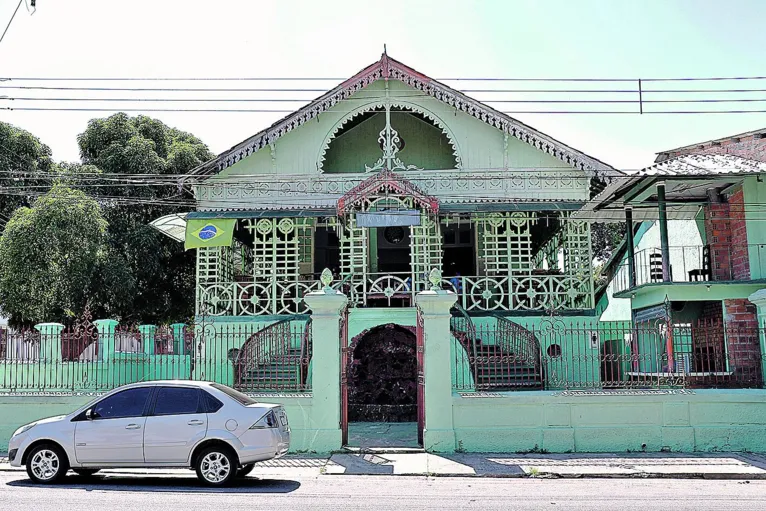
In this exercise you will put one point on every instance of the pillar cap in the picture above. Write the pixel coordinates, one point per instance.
(326, 302)
(758, 298)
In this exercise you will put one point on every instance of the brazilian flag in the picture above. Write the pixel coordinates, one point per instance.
(214, 232)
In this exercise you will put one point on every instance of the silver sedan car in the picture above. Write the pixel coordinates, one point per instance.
(212, 428)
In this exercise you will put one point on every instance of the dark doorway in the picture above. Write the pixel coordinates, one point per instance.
(459, 252)
(326, 249)
(383, 376)
(393, 249)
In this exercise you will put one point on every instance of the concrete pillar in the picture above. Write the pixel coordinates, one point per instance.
(326, 308)
(147, 338)
(106, 335)
(630, 243)
(664, 244)
(50, 341)
(759, 300)
(434, 307)
(178, 338)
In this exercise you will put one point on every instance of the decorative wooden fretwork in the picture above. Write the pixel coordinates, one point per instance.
(506, 243)
(425, 250)
(353, 257)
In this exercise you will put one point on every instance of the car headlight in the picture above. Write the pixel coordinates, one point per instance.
(24, 429)
(266, 422)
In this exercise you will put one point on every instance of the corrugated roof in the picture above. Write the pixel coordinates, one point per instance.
(704, 164)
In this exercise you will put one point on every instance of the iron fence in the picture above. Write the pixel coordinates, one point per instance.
(253, 357)
(504, 356)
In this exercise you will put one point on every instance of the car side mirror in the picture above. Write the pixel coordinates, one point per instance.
(89, 414)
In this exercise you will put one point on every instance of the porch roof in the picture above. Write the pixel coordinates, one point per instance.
(687, 180)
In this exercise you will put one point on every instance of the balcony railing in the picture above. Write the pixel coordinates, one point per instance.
(695, 264)
(534, 291)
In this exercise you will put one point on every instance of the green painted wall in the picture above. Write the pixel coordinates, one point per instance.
(709, 421)
(480, 145)
(425, 145)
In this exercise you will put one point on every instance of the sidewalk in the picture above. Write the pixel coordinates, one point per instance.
(659, 465)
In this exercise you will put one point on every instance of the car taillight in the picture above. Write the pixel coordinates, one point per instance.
(266, 422)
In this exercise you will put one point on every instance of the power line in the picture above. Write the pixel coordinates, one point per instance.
(328, 78)
(10, 21)
(283, 111)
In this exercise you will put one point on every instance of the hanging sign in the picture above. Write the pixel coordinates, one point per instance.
(388, 218)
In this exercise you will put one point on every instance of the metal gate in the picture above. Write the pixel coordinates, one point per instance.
(344, 360)
(420, 351)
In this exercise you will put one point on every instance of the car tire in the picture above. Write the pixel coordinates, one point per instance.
(85, 472)
(216, 466)
(245, 469)
(47, 464)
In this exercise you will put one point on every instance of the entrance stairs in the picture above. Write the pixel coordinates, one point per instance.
(511, 362)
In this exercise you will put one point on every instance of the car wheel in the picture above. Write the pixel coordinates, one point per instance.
(47, 464)
(245, 469)
(85, 472)
(216, 466)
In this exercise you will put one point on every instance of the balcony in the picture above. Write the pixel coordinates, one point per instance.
(690, 264)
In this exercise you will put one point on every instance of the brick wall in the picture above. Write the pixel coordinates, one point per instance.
(718, 235)
(726, 234)
(752, 147)
(740, 263)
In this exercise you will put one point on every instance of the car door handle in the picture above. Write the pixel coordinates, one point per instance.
(133, 426)
(195, 423)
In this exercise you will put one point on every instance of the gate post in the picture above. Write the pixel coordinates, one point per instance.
(434, 309)
(326, 309)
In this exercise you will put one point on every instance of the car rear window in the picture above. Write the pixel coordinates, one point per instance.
(237, 396)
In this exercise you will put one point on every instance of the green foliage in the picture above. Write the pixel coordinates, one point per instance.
(22, 156)
(49, 256)
(606, 237)
(156, 276)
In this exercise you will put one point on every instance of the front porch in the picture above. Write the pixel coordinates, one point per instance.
(381, 241)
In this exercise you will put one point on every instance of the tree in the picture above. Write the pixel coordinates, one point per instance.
(606, 237)
(49, 256)
(157, 276)
(22, 157)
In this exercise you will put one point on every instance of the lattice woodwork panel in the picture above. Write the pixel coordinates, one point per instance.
(275, 248)
(214, 265)
(353, 255)
(507, 243)
(577, 249)
(425, 250)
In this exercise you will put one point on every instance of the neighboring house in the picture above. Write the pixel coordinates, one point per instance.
(702, 269)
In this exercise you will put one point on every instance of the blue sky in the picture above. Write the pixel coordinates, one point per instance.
(503, 38)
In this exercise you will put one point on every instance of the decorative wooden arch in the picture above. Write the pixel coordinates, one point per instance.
(385, 182)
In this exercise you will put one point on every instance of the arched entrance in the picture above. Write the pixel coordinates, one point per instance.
(382, 370)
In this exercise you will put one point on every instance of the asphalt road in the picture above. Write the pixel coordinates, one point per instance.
(119, 492)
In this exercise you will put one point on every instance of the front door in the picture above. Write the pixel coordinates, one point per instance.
(115, 432)
(174, 426)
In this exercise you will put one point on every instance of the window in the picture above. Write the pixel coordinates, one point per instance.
(176, 401)
(128, 403)
(237, 396)
(209, 404)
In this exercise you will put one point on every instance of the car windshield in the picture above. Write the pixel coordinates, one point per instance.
(237, 396)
